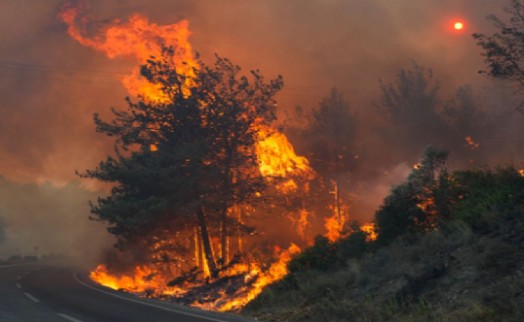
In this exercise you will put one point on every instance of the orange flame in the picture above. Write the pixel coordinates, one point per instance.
(142, 281)
(277, 159)
(334, 227)
(370, 230)
(275, 272)
(140, 40)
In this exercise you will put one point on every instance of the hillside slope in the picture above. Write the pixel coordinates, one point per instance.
(468, 267)
(452, 276)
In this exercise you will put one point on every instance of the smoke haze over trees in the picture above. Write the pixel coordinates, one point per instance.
(52, 86)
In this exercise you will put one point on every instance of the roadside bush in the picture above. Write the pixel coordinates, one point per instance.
(483, 195)
(320, 256)
(418, 204)
(325, 255)
(353, 246)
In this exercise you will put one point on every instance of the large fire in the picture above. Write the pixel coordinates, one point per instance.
(277, 159)
(139, 40)
(145, 281)
(142, 280)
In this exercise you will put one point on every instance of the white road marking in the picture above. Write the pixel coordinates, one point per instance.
(5, 266)
(69, 318)
(148, 304)
(31, 297)
(18, 285)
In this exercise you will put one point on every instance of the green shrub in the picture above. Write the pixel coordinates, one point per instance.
(483, 195)
(320, 256)
(325, 255)
(353, 246)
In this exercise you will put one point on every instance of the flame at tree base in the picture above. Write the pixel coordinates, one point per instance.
(250, 280)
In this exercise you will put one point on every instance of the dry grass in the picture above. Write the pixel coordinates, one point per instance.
(457, 276)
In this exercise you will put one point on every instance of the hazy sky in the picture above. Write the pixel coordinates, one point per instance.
(50, 85)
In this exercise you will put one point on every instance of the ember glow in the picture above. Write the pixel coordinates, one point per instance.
(471, 143)
(334, 227)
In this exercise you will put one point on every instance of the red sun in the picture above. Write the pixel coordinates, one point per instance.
(458, 25)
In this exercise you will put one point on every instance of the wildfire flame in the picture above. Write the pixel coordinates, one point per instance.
(137, 39)
(334, 227)
(370, 230)
(277, 157)
(275, 272)
(142, 281)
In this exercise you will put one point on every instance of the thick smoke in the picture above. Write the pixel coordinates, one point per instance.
(50, 86)
(46, 220)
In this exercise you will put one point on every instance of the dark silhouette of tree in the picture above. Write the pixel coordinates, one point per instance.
(468, 123)
(330, 134)
(181, 162)
(462, 111)
(504, 49)
(411, 105)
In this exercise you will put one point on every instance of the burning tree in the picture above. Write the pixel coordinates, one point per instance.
(411, 106)
(330, 135)
(181, 162)
(196, 162)
(418, 204)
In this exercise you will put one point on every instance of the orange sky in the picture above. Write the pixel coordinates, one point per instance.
(51, 85)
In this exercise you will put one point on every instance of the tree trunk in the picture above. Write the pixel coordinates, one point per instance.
(337, 206)
(226, 186)
(223, 238)
(206, 242)
(239, 232)
(198, 252)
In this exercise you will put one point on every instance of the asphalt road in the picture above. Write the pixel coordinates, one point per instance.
(51, 292)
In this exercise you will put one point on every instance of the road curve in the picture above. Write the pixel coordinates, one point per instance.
(52, 292)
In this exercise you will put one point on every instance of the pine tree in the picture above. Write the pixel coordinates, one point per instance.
(183, 161)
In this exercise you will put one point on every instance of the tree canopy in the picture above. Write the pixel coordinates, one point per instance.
(182, 160)
(503, 50)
